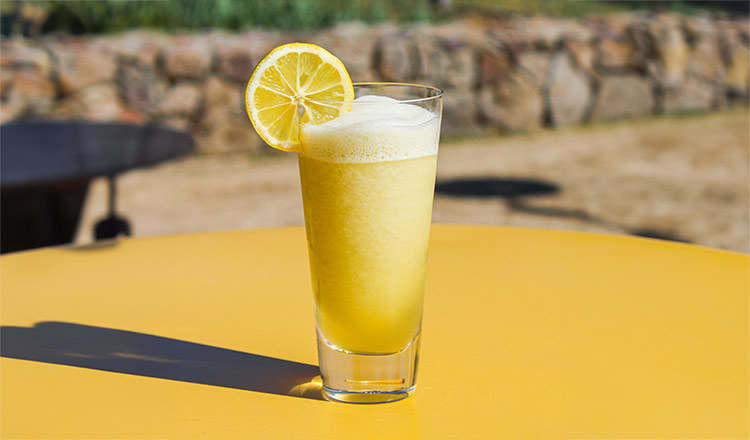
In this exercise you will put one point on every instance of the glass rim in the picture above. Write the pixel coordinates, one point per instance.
(438, 92)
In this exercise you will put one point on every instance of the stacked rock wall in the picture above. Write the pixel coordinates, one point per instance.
(499, 75)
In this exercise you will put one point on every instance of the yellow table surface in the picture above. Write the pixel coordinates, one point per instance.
(528, 334)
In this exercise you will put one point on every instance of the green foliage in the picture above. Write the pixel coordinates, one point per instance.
(549, 7)
(579, 8)
(117, 15)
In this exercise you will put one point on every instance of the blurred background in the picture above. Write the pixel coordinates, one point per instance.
(626, 117)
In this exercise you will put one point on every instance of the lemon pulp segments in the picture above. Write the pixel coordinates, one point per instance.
(296, 83)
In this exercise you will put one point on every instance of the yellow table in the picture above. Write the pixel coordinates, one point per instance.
(528, 334)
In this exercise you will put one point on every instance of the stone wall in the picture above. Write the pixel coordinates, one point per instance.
(499, 75)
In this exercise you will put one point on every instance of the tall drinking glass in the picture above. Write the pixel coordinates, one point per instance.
(368, 180)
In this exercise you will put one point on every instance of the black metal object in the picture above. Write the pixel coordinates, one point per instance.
(113, 225)
(46, 166)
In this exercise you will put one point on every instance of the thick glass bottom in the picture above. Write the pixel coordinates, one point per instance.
(368, 378)
(367, 397)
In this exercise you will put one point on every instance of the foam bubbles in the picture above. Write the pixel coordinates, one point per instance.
(376, 129)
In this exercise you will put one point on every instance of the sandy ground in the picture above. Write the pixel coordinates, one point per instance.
(681, 178)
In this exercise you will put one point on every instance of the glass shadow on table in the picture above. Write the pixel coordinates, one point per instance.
(141, 354)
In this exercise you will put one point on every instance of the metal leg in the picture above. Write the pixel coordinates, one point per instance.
(113, 225)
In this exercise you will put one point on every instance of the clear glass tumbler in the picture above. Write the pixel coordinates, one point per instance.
(368, 180)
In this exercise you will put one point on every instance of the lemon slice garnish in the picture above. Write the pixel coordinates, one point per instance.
(296, 83)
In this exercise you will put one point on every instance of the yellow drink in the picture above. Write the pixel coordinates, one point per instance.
(367, 185)
(367, 231)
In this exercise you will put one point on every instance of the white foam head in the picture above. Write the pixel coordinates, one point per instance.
(376, 129)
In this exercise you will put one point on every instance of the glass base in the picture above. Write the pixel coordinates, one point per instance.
(368, 378)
